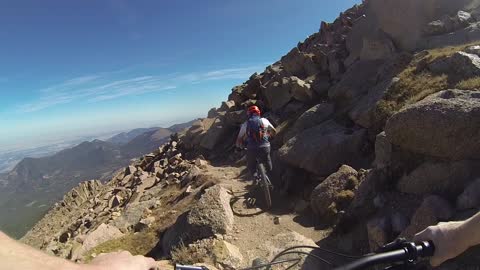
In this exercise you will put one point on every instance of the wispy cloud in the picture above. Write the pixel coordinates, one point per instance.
(102, 87)
(222, 74)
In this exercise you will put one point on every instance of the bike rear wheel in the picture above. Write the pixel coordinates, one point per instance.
(265, 183)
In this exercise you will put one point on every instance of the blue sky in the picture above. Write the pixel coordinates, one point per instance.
(79, 67)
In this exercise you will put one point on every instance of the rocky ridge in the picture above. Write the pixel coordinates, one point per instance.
(122, 205)
(378, 129)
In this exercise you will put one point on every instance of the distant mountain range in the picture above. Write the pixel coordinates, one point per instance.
(126, 137)
(34, 184)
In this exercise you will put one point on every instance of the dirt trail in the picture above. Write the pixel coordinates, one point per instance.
(254, 227)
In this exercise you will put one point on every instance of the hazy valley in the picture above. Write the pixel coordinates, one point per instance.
(35, 183)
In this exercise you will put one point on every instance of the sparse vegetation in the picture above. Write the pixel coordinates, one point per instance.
(185, 255)
(448, 51)
(409, 89)
(469, 84)
(415, 85)
(137, 244)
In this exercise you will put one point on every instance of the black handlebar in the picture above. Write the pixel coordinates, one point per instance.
(400, 252)
(189, 267)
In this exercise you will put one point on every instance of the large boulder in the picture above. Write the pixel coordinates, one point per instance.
(437, 27)
(462, 64)
(443, 125)
(355, 83)
(211, 215)
(448, 24)
(227, 105)
(432, 210)
(336, 66)
(227, 255)
(393, 17)
(215, 134)
(279, 242)
(301, 90)
(378, 231)
(194, 135)
(300, 64)
(132, 215)
(367, 194)
(235, 118)
(377, 47)
(361, 29)
(101, 235)
(470, 197)
(383, 151)
(475, 49)
(324, 148)
(459, 37)
(312, 117)
(327, 197)
(443, 178)
(363, 112)
(320, 84)
(278, 94)
(236, 96)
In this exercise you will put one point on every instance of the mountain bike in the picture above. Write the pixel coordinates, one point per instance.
(262, 180)
(397, 255)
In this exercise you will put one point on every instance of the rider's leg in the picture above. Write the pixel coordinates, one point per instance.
(252, 161)
(264, 156)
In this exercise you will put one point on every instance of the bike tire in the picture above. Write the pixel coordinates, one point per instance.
(265, 185)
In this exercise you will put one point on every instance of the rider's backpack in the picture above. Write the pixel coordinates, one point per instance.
(256, 131)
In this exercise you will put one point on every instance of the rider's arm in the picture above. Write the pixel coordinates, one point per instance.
(14, 255)
(451, 238)
(241, 136)
(269, 126)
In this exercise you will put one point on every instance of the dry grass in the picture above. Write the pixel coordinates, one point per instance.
(185, 255)
(469, 84)
(448, 51)
(411, 88)
(137, 244)
(414, 85)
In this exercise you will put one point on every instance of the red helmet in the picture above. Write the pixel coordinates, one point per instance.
(253, 110)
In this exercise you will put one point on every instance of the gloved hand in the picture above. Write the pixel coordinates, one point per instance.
(448, 238)
(123, 261)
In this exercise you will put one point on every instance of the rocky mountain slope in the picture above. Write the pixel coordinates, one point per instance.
(36, 183)
(180, 127)
(378, 138)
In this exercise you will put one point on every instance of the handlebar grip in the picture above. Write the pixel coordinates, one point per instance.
(426, 249)
(409, 252)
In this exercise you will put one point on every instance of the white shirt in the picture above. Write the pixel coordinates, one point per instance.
(243, 129)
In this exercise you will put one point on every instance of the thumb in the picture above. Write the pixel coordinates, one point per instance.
(424, 235)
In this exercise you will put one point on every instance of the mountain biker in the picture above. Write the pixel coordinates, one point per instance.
(14, 255)
(451, 238)
(255, 134)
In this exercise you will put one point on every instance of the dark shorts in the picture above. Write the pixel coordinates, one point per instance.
(260, 153)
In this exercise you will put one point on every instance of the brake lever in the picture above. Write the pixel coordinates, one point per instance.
(398, 243)
(412, 263)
